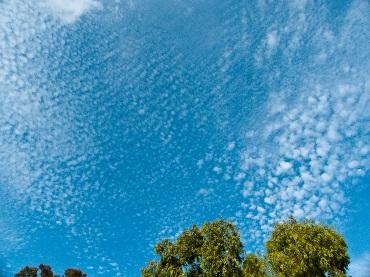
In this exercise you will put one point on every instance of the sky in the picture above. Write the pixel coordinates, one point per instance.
(124, 122)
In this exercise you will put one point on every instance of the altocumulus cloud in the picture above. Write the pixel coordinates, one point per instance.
(36, 144)
(361, 267)
(312, 142)
(68, 11)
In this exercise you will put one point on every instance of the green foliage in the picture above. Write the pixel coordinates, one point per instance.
(213, 250)
(189, 245)
(45, 271)
(295, 249)
(27, 272)
(254, 266)
(307, 250)
(74, 272)
(221, 250)
(150, 270)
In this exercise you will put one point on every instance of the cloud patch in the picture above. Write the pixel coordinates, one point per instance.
(360, 267)
(313, 142)
(68, 11)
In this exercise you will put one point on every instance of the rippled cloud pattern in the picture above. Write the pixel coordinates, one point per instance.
(123, 122)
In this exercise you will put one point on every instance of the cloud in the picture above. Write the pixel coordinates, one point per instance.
(21, 75)
(313, 140)
(205, 192)
(45, 158)
(310, 144)
(68, 11)
(360, 267)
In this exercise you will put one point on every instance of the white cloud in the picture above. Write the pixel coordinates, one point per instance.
(315, 142)
(69, 11)
(37, 138)
(205, 192)
(272, 39)
(360, 267)
(284, 166)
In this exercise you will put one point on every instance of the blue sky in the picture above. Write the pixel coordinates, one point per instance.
(124, 122)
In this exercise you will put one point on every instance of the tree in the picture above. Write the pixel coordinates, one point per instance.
(46, 271)
(189, 245)
(295, 249)
(74, 272)
(306, 249)
(254, 266)
(27, 272)
(221, 250)
(150, 270)
(214, 250)
(169, 264)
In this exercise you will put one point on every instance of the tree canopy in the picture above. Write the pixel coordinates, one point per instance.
(300, 249)
(307, 249)
(27, 272)
(213, 250)
(46, 271)
(295, 249)
(74, 272)
(254, 266)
